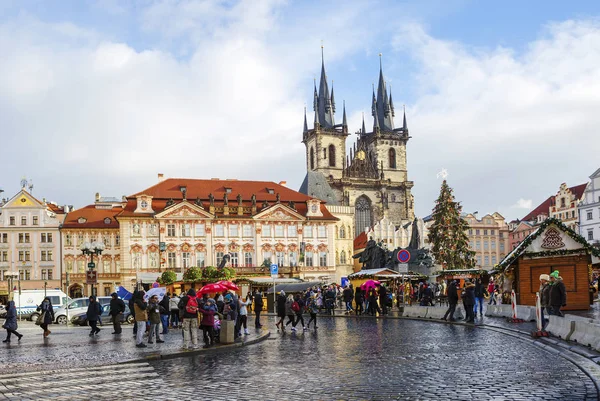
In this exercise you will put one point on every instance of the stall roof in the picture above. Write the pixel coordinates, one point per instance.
(386, 273)
(150, 278)
(268, 281)
(295, 287)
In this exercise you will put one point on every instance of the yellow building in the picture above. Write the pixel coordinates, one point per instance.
(488, 238)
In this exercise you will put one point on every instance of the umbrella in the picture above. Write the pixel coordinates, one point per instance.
(123, 294)
(229, 285)
(208, 288)
(158, 291)
(369, 284)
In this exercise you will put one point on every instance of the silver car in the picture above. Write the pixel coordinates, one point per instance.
(75, 307)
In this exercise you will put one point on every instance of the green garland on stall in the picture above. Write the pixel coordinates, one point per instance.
(515, 254)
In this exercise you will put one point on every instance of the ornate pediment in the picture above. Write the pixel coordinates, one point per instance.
(279, 212)
(185, 210)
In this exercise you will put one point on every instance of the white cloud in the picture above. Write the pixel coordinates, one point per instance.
(523, 204)
(505, 123)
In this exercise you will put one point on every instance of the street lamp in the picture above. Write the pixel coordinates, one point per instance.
(92, 248)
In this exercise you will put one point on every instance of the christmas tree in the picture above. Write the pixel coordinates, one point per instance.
(447, 234)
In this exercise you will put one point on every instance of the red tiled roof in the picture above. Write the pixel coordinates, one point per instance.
(200, 189)
(544, 207)
(360, 242)
(55, 208)
(94, 217)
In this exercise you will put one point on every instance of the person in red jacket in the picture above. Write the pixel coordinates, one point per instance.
(208, 322)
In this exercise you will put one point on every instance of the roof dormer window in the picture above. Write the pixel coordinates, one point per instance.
(82, 220)
(227, 190)
(271, 191)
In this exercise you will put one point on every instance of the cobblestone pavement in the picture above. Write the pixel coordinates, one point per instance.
(71, 347)
(345, 359)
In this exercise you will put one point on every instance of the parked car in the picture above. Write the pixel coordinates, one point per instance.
(105, 318)
(27, 301)
(76, 307)
(2, 310)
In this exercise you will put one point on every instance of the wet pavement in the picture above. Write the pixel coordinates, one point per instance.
(345, 359)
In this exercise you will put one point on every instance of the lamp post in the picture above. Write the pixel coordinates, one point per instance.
(91, 249)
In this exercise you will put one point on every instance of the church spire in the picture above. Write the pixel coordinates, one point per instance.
(383, 108)
(332, 99)
(305, 122)
(344, 119)
(392, 103)
(364, 130)
(316, 107)
(325, 107)
(374, 112)
(404, 126)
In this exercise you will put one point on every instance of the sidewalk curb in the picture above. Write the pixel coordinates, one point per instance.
(199, 351)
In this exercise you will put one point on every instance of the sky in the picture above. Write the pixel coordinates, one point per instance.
(101, 96)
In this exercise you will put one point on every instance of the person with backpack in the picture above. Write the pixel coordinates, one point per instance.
(479, 294)
(258, 305)
(10, 325)
(452, 301)
(117, 308)
(289, 312)
(173, 302)
(313, 309)
(47, 315)
(165, 312)
(189, 307)
(140, 307)
(94, 311)
(348, 295)
(208, 322)
(281, 301)
(298, 308)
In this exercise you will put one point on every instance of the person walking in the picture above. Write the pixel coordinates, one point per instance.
(117, 308)
(281, 310)
(469, 302)
(189, 307)
(165, 311)
(131, 304)
(479, 293)
(298, 308)
(140, 308)
(452, 301)
(383, 299)
(155, 313)
(491, 289)
(359, 300)
(313, 309)
(558, 294)
(243, 315)
(173, 302)
(544, 296)
(208, 322)
(10, 324)
(258, 305)
(289, 311)
(94, 311)
(47, 315)
(348, 295)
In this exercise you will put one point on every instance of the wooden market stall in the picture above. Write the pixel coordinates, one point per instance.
(553, 246)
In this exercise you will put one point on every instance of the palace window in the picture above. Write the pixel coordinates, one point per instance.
(186, 259)
(477, 245)
(46, 256)
(485, 245)
(234, 230)
(234, 259)
(280, 258)
(170, 230)
(494, 260)
(479, 260)
(23, 220)
(200, 230)
(279, 231)
(106, 240)
(248, 259)
(266, 230)
(153, 259)
(308, 257)
(12, 220)
(331, 156)
(562, 202)
(219, 257)
(219, 230)
(321, 231)
(392, 157)
(200, 259)
(247, 231)
(493, 245)
(153, 229)
(118, 240)
(186, 230)
(485, 232)
(590, 234)
(171, 260)
(363, 214)
(136, 260)
(24, 274)
(4, 238)
(323, 259)
(477, 232)
(46, 274)
(590, 215)
(4, 256)
(293, 259)
(487, 261)
(35, 220)
(106, 266)
(267, 257)
(308, 231)
(502, 247)
(69, 266)
(81, 266)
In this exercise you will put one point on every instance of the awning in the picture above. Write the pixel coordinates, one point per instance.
(295, 287)
(149, 278)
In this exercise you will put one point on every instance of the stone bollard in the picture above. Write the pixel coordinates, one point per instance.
(227, 329)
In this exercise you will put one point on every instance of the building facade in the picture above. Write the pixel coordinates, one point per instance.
(96, 222)
(488, 238)
(589, 210)
(394, 236)
(566, 204)
(373, 177)
(30, 243)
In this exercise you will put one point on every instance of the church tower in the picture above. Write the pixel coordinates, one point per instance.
(373, 177)
(325, 142)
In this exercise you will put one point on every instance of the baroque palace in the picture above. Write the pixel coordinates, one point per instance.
(179, 223)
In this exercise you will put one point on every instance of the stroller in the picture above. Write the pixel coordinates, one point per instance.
(217, 330)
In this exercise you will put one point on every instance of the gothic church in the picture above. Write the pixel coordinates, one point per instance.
(373, 176)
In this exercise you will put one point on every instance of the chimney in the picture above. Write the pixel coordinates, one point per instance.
(161, 177)
(97, 196)
(283, 183)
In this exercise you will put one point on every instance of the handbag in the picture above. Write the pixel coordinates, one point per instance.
(40, 319)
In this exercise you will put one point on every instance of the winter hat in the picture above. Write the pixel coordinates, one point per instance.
(544, 277)
(554, 274)
(282, 292)
(228, 298)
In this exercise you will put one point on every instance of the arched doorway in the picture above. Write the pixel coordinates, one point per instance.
(76, 291)
(363, 214)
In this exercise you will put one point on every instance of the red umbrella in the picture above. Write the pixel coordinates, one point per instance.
(367, 285)
(208, 288)
(229, 285)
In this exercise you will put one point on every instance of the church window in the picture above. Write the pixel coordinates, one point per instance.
(343, 258)
(342, 232)
(363, 215)
(392, 157)
(331, 156)
(324, 153)
(312, 158)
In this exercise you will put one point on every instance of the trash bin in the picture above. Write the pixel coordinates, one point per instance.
(227, 329)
